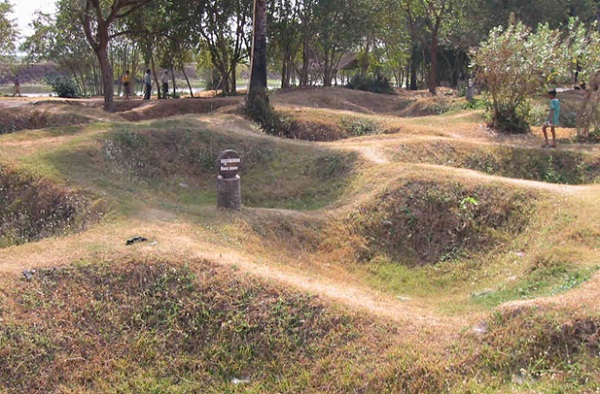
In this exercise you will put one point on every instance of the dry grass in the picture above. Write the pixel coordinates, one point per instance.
(430, 227)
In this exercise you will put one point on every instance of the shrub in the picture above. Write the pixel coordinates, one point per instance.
(357, 127)
(515, 63)
(269, 120)
(63, 86)
(377, 84)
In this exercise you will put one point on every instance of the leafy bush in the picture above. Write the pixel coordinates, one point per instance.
(512, 119)
(359, 126)
(63, 86)
(515, 63)
(270, 121)
(377, 84)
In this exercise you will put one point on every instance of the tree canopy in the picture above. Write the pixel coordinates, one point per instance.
(417, 43)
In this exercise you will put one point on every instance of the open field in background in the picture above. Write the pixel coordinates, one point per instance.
(396, 245)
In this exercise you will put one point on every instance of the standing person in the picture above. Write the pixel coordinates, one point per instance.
(552, 121)
(126, 85)
(147, 85)
(165, 84)
(17, 86)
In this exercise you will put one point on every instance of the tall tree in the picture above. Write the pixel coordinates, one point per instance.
(284, 32)
(59, 40)
(8, 30)
(425, 19)
(225, 28)
(258, 68)
(98, 19)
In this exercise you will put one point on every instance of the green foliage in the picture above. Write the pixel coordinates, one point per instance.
(592, 137)
(376, 84)
(8, 30)
(514, 64)
(357, 127)
(63, 86)
(260, 110)
(512, 119)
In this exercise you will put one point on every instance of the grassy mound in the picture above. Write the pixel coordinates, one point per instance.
(137, 110)
(556, 166)
(31, 117)
(151, 326)
(544, 350)
(273, 174)
(32, 209)
(319, 125)
(425, 222)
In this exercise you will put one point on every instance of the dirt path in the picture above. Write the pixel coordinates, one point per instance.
(175, 238)
(171, 240)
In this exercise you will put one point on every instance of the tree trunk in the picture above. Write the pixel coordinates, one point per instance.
(305, 62)
(107, 77)
(187, 80)
(413, 71)
(433, 69)
(233, 77)
(173, 81)
(258, 76)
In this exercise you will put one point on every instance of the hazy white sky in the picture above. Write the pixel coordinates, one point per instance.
(23, 12)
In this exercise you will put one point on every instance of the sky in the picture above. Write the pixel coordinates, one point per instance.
(23, 12)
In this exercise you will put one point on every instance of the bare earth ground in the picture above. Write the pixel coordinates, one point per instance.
(177, 238)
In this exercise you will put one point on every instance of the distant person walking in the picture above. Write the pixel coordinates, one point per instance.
(552, 121)
(165, 84)
(147, 85)
(17, 91)
(125, 80)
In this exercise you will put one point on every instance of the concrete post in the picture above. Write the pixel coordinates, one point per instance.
(229, 195)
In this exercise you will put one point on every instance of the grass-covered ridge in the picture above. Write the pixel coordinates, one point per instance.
(32, 208)
(425, 222)
(374, 263)
(274, 174)
(554, 166)
(142, 326)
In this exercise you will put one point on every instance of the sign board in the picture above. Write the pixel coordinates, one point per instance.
(229, 163)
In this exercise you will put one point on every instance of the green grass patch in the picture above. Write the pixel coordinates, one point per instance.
(551, 279)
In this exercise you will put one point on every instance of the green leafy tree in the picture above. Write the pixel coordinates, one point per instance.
(394, 38)
(425, 18)
(59, 40)
(8, 31)
(584, 52)
(224, 26)
(516, 63)
(99, 20)
(284, 33)
(341, 24)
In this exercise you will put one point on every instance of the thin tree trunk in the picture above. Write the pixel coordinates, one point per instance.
(433, 69)
(187, 80)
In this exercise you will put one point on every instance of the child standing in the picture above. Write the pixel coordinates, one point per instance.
(165, 84)
(126, 85)
(552, 121)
